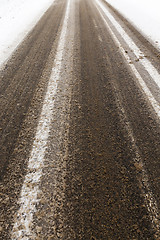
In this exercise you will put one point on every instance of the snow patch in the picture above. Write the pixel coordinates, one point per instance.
(144, 14)
(17, 18)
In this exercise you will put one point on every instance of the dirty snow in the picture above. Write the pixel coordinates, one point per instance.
(144, 14)
(17, 18)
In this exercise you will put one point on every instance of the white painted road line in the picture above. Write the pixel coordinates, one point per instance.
(153, 72)
(22, 228)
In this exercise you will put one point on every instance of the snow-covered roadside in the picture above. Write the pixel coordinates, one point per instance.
(144, 14)
(17, 18)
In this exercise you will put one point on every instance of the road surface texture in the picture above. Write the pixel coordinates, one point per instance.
(80, 129)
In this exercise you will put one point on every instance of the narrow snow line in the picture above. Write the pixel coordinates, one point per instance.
(23, 228)
(149, 199)
(95, 24)
(142, 176)
(145, 62)
(146, 90)
(99, 37)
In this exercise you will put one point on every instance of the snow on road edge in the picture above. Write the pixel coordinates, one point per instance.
(17, 18)
(144, 14)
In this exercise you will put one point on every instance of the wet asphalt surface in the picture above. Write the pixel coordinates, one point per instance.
(92, 186)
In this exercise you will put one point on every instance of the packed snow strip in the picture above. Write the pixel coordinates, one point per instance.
(145, 62)
(22, 228)
(138, 53)
(150, 201)
(144, 14)
(17, 18)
